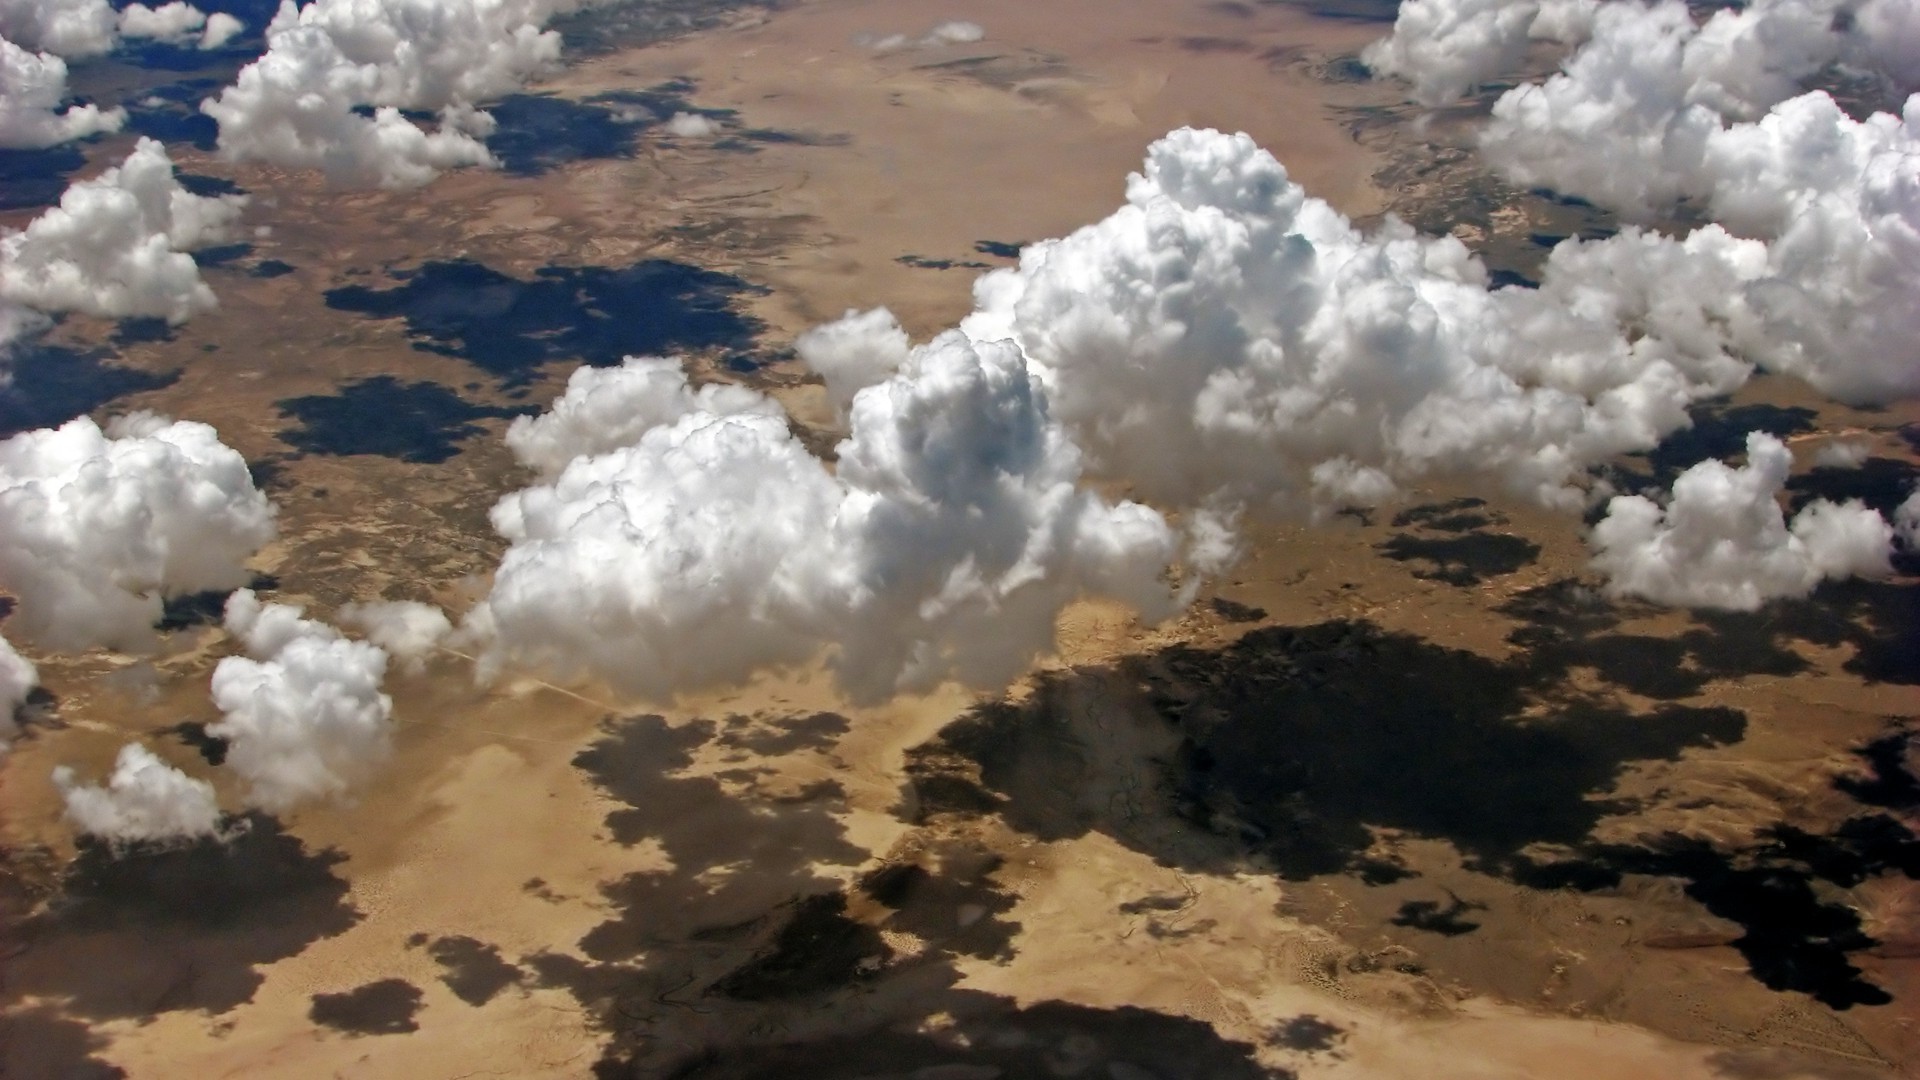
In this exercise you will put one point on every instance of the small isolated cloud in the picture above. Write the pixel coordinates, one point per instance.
(144, 800)
(17, 679)
(117, 245)
(605, 409)
(857, 350)
(96, 527)
(1721, 540)
(1842, 454)
(301, 104)
(688, 125)
(944, 546)
(951, 32)
(303, 711)
(409, 631)
(33, 86)
(1906, 521)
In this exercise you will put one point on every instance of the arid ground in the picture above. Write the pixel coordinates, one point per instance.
(1401, 797)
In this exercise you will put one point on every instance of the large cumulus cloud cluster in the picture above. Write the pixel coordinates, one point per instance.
(98, 526)
(302, 712)
(18, 677)
(33, 87)
(83, 28)
(302, 103)
(712, 543)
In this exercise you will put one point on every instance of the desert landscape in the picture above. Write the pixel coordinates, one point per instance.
(1400, 791)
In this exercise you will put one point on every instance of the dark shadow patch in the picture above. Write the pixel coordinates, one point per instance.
(386, 1007)
(945, 896)
(53, 384)
(206, 608)
(36, 1043)
(1205, 44)
(779, 137)
(475, 972)
(141, 331)
(421, 421)
(1889, 782)
(208, 187)
(998, 249)
(1308, 1035)
(1881, 483)
(1434, 918)
(1232, 9)
(990, 1036)
(171, 112)
(511, 327)
(30, 179)
(211, 748)
(920, 263)
(1366, 11)
(1235, 612)
(818, 949)
(270, 268)
(189, 926)
(1719, 432)
(1462, 560)
(221, 256)
(539, 132)
(775, 736)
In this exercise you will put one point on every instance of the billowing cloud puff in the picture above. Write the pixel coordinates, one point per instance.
(951, 32)
(1906, 520)
(304, 714)
(1446, 47)
(605, 409)
(296, 105)
(1721, 541)
(944, 546)
(116, 245)
(32, 88)
(688, 125)
(82, 28)
(855, 351)
(97, 526)
(145, 800)
(407, 630)
(17, 679)
(1225, 337)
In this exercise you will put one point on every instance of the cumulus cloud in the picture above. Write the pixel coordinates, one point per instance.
(96, 527)
(303, 711)
(951, 32)
(409, 631)
(1722, 541)
(1445, 48)
(82, 28)
(299, 104)
(605, 409)
(18, 677)
(688, 125)
(857, 350)
(117, 245)
(144, 800)
(943, 547)
(1842, 454)
(1224, 338)
(32, 88)
(1906, 521)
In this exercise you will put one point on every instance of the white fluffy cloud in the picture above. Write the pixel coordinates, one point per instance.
(855, 351)
(688, 125)
(409, 631)
(97, 526)
(117, 245)
(1445, 48)
(951, 32)
(144, 800)
(712, 545)
(1906, 520)
(1225, 337)
(296, 105)
(18, 677)
(32, 88)
(1721, 541)
(83, 28)
(303, 711)
(605, 409)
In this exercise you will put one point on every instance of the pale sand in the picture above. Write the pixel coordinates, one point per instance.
(482, 797)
